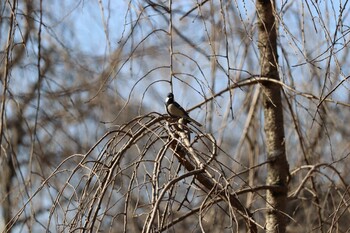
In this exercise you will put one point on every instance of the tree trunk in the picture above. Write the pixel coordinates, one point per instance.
(278, 168)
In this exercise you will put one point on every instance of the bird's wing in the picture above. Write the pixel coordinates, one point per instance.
(181, 108)
(179, 111)
(176, 111)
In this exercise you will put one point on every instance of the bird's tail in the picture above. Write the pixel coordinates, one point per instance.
(194, 121)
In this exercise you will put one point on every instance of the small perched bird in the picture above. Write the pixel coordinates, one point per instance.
(175, 110)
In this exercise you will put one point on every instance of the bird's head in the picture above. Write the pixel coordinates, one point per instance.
(170, 98)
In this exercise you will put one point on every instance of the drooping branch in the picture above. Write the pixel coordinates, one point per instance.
(208, 183)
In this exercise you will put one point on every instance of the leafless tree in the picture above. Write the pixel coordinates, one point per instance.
(86, 145)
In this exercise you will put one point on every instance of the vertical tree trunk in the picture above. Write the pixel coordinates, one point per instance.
(6, 174)
(278, 168)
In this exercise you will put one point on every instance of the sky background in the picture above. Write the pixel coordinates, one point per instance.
(90, 36)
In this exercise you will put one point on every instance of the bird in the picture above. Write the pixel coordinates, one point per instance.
(175, 110)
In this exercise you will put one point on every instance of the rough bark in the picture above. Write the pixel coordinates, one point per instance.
(278, 170)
